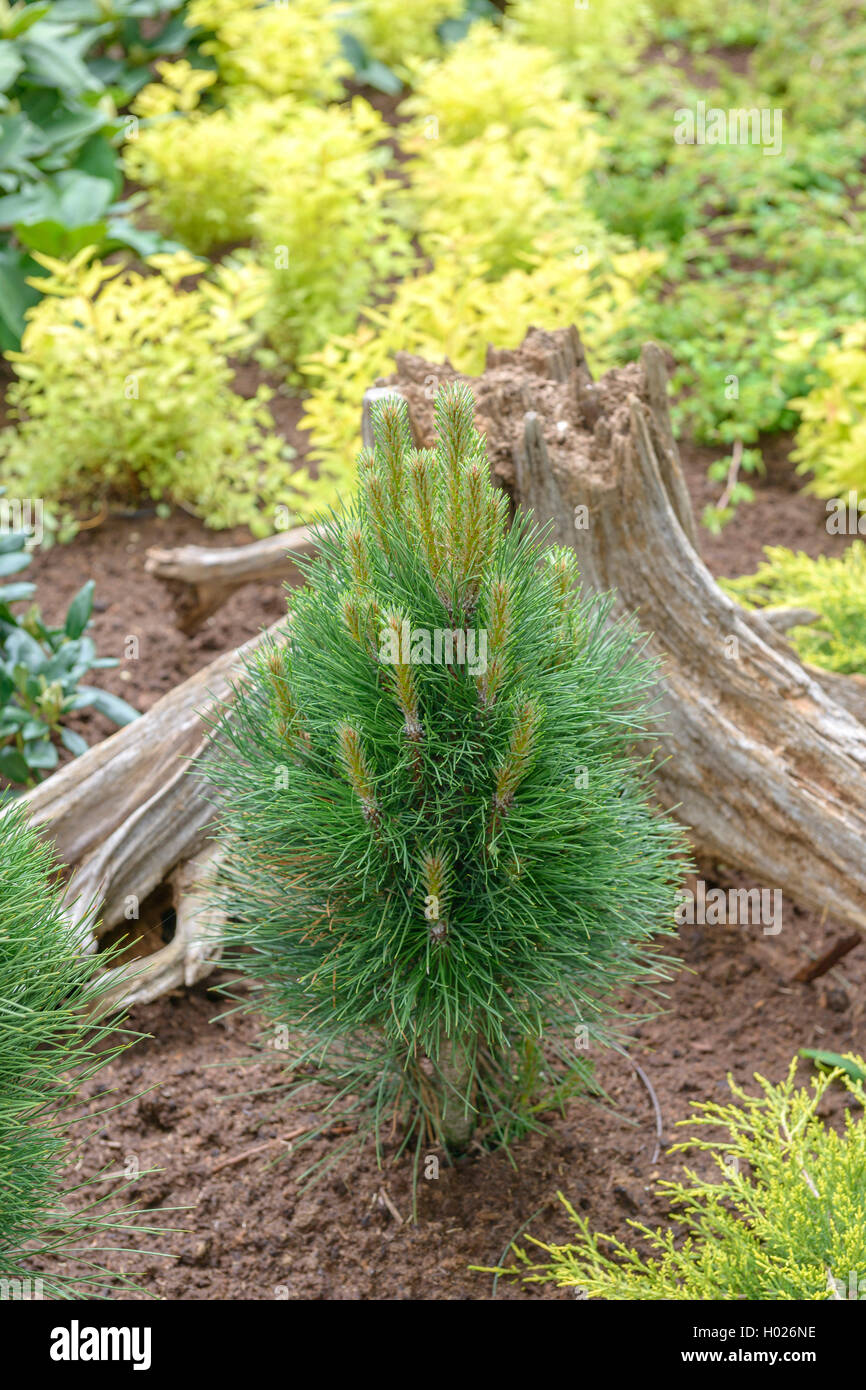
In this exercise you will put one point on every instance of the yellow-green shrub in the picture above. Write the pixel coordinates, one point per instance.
(832, 586)
(486, 80)
(499, 196)
(203, 170)
(395, 31)
(274, 50)
(594, 40)
(124, 393)
(327, 229)
(453, 312)
(831, 440)
(785, 1217)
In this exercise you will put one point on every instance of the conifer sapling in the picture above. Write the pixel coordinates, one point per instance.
(442, 851)
(52, 1039)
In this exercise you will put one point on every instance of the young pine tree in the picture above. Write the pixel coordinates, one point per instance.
(441, 851)
(50, 1043)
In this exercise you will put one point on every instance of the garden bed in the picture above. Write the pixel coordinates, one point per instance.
(249, 1231)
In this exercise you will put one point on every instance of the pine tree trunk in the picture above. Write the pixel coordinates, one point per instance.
(455, 1086)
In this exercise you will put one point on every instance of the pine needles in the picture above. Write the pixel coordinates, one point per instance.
(441, 850)
(51, 1042)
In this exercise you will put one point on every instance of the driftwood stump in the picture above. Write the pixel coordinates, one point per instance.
(200, 578)
(765, 758)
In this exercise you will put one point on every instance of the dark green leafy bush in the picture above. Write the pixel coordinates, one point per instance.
(41, 669)
(446, 866)
(60, 97)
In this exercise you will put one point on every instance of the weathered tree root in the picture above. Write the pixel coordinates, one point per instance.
(200, 578)
(129, 816)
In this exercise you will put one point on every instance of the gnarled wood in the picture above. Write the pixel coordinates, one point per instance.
(193, 951)
(765, 758)
(129, 815)
(200, 579)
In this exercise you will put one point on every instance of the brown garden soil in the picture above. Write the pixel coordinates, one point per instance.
(248, 1229)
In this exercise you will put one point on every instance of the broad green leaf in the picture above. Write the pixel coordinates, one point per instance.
(19, 23)
(72, 198)
(110, 705)
(11, 63)
(11, 542)
(822, 1058)
(41, 754)
(56, 65)
(16, 296)
(12, 564)
(14, 593)
(73, 742)
(80, 609)
(24, 650)
(13, 766)
(54, 239)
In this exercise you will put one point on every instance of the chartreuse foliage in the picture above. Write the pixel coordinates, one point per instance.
(328, 234)
(593, 40)
(41, 672)
(50, 1043)
(833, 586)
(831, 440)
(507, 194)
(488, 79)
(496, 170)
(308, 184)
(444, 865)
(267, 50)
(202, 169)
(124, 393)
(308, 48)
(783, 1217)
(394, 32)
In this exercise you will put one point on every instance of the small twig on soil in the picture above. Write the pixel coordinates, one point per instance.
(386, 1201)
(814, 969)
(653, 1097)
(733, 472)
(259, 1148)
(656, 1107)
(97, 520)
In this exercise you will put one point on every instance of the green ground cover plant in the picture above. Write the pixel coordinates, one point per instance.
(447, 867)
(783, 1217)
(61, 96)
